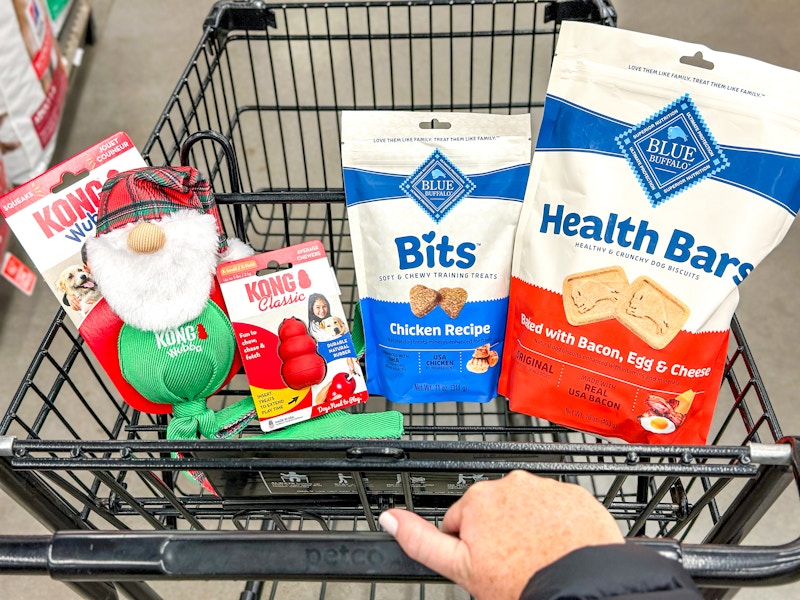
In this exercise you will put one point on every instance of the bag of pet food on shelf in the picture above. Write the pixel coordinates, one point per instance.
(433, 201)
(663, 174)
(33, 86)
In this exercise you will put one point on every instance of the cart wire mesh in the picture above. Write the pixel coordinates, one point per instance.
(257, 109)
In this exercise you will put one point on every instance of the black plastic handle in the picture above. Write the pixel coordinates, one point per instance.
(330, 556)
(233, 169)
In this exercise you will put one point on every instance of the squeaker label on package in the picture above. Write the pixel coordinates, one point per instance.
(660, 179)
(433, 201)
(292, 335)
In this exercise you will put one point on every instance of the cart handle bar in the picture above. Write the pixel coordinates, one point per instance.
(340, 556)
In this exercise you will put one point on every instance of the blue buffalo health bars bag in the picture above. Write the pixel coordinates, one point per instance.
(433, 201)
(663, 174)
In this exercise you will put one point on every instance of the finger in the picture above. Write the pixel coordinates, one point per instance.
(423, 542)
(451, 523)
(455, 514)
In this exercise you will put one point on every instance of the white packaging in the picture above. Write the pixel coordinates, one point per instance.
(433, 201)
(33, 85)
(657, 185)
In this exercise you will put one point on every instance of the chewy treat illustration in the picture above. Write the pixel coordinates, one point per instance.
(651, 312)
(665, 416)
(592, 296)
(452, 300)
(301, 365)
(424, 300)
(482, 359)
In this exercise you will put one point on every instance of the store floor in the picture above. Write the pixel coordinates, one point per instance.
(141, 48)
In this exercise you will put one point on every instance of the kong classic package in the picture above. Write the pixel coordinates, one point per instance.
(290, 328)
(663, 174)
(433, 202)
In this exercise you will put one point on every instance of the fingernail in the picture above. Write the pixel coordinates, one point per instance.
(388, 522)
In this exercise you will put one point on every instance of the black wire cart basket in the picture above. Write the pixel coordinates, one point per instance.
(257, 109)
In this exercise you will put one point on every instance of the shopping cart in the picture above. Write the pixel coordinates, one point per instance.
(257, 109)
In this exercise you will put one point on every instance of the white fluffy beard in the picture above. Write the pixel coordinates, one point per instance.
(163, 289)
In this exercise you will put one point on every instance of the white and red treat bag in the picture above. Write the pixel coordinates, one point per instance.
(664, 172)
(33, 85)
(433, 201)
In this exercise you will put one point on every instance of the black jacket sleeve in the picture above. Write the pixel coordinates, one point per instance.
(618, 572)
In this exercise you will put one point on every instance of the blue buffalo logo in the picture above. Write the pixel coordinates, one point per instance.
(671, 151)
(437, 185)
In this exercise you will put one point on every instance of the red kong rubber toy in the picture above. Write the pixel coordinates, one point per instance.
(302, 366)
(342, 386)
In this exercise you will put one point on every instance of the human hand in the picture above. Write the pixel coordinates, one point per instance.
(499, 533)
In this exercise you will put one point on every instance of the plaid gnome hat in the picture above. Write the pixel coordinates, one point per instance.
(148, 193)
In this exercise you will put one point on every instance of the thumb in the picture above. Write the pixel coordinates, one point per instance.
(423, 542)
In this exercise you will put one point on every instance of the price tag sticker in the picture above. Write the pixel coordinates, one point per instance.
(18, 273)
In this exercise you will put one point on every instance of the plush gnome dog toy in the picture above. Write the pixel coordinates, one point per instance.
(158, 242)
(154, 256)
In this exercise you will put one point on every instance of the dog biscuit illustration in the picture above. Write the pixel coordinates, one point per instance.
(648, 304)
(586, 294)
(651, 312)
(591, 296)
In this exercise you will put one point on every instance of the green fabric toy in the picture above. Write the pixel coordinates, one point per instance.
(158, 242)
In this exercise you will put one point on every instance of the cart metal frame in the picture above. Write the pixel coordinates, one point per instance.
(257, 109)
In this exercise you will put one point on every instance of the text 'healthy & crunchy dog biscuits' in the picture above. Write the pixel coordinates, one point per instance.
(433, 201)
(657, 185)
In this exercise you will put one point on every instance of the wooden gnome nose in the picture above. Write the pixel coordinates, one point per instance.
(146, 238)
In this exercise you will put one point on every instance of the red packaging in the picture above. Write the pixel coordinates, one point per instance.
(52, 227)
(295, 345)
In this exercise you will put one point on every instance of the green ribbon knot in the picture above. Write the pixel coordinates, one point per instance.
(191, 417)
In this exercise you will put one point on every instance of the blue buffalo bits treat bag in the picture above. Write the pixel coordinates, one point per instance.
(663, 174)
(433, 201)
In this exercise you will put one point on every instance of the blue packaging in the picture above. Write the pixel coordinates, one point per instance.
(433, 201)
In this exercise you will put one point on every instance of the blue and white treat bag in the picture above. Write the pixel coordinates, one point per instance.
(433, 201)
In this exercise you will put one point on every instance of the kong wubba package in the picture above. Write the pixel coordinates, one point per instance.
(292, 334)
(52, 226)
(663, 173)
